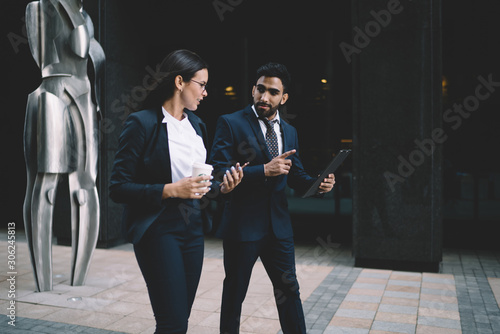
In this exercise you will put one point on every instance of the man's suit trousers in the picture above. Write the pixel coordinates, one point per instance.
(278, 258)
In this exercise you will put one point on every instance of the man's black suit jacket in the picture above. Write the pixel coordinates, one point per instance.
(258, 203)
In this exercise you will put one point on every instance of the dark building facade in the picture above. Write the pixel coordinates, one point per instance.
(410, 86)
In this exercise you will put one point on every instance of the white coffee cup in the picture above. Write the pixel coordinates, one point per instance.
(200, 169)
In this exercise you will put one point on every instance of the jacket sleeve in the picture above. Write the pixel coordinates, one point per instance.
(298, 179)
(125, 186)
(225, 153)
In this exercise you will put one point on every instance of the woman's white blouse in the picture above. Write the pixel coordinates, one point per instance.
(185, 146)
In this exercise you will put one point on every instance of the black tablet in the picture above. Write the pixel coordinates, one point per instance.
(332, 166)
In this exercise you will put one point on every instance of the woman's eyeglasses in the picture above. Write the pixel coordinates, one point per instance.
(202, 85)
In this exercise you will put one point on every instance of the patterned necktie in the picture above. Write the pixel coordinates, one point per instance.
(271, 137)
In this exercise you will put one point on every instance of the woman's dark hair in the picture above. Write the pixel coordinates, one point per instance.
(180, 62)
(275, 70)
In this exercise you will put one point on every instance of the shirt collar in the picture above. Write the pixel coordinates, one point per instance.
(167, 116)
(277, 117)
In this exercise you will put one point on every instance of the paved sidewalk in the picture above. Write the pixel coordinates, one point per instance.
(337, 297)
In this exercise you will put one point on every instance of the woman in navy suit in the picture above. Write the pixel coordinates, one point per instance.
(165, 216)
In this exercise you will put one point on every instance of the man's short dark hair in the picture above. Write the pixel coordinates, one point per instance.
(275, 70)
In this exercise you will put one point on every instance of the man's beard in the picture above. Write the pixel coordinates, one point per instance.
(265, 113)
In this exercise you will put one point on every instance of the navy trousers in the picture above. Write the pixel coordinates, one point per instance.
(170, 256)
(278, 258)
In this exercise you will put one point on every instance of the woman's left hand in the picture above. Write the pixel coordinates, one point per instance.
(232, 178)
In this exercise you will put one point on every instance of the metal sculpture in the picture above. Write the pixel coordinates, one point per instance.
(61, 134)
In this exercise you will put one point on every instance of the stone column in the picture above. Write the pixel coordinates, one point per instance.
(395, 54)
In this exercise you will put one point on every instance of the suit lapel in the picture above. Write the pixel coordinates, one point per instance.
(195, 124)
(200, 129)
(285, 132)
(257, 131)
(162, 146)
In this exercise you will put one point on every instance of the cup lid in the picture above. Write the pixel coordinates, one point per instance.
(202, 165)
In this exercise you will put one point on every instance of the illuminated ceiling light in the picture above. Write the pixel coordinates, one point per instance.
(444, 86)
(324, 81)
(229, 88)
(444, 81)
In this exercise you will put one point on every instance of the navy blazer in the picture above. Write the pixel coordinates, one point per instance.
(142, 168)
(258, 202)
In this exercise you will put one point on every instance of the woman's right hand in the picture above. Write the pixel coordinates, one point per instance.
(188, 187)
